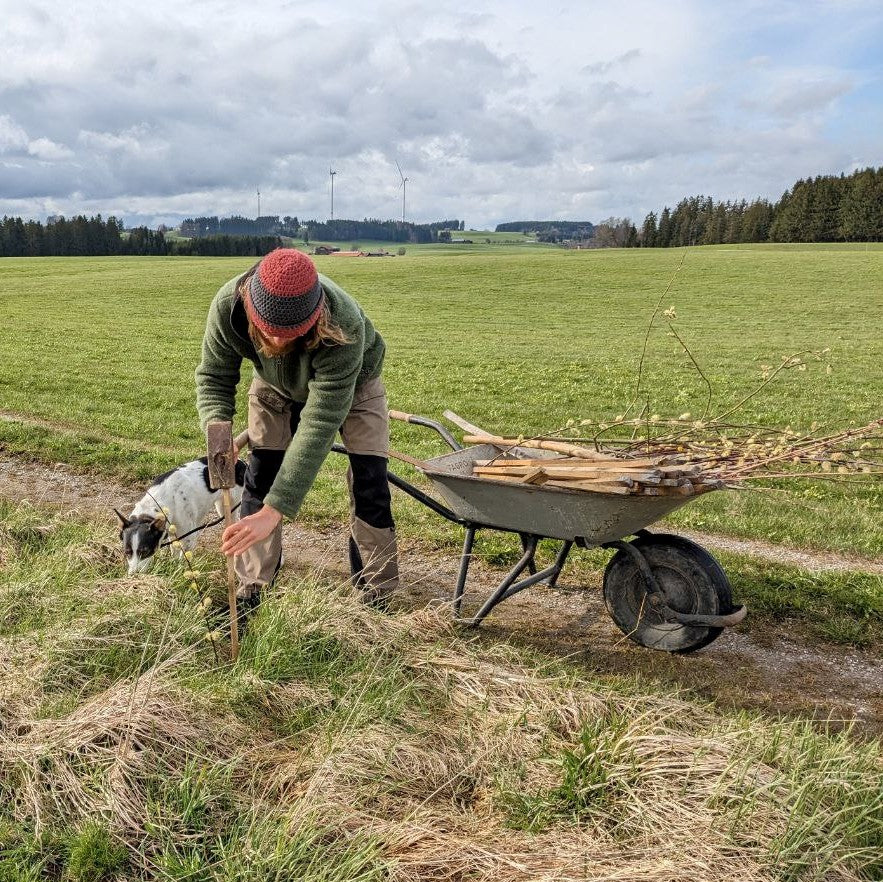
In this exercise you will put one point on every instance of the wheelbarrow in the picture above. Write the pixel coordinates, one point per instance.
(662, 591)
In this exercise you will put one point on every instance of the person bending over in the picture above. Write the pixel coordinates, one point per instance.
(317, 370)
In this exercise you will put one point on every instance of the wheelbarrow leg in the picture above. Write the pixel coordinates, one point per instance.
(559, 563)
(500, 592)
(465, 560)
(531, 564)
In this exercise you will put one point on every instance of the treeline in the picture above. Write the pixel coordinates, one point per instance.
(827, 208)
(551, 231)
(324, 231)
(268, 225)
(699, 220)
(95, 237)
(61, 237)
(383, 231)
(154, 242)
(205, 235)
(226, 246)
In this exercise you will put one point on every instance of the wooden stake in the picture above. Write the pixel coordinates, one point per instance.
(565, 473)
(222, 476)
(594, 487)
(231, 579)
(559, 446)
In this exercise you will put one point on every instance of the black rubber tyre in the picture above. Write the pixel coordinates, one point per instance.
(692, 580)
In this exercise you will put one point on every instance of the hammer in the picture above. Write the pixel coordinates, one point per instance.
(222, 476)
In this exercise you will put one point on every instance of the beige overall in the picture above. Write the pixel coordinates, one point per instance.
(365, 431)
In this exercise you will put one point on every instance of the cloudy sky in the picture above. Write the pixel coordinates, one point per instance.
(500, 110)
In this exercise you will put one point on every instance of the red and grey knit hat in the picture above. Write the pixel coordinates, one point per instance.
(284, 296)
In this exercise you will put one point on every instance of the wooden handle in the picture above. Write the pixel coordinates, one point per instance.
(241, 440)
(465, 425)
(419, 463)
(539, 444)
(400, 415)
(231, 579)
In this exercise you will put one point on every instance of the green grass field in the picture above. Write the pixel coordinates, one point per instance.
(516, 342)
(347, 745)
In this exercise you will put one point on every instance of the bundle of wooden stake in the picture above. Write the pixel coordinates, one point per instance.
(577, 467)
(684, 463)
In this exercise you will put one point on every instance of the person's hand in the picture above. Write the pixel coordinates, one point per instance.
(244, 533)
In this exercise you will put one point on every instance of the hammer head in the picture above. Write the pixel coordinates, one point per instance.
(221, 462)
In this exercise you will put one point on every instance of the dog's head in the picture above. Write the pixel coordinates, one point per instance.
(140, 536)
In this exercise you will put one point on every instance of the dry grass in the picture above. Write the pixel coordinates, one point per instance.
(96, 760)
(346, 744)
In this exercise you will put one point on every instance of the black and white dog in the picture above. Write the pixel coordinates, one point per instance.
(187, 497)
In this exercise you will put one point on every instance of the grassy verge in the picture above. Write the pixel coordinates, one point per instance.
(515, 341)
(348, 745)
(840, 607)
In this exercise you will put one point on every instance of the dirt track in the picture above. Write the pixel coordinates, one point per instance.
(773, 669)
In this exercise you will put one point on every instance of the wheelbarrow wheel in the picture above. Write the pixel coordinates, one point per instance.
(691, 580)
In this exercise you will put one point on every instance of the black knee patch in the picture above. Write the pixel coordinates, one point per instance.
(263, 466)
(356, 565)
(371, 495)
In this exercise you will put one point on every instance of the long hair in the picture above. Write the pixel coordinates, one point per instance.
(325, 332)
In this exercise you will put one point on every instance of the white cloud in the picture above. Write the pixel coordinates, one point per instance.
(811, 96)
(14, 140)
(48, 150)
(167, 109)
(12, 136)
(602, 68)
(136, 141)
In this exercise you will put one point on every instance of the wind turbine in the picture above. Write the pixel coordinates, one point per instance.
(332, 173)
(404, 188)
(259, 201)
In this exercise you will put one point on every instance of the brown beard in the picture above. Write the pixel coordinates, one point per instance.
(269, 349)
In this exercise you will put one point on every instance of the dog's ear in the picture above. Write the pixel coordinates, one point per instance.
(159, 523)
(124, 521)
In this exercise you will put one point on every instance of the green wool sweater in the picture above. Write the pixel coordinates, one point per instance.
(324, 379)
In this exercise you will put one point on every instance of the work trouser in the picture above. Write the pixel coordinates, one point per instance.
(272, 421)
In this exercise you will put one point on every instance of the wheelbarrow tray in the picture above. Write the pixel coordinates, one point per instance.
(662, 591)
(586, 517)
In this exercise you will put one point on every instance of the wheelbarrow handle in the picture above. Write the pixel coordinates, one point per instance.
(449, 439)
